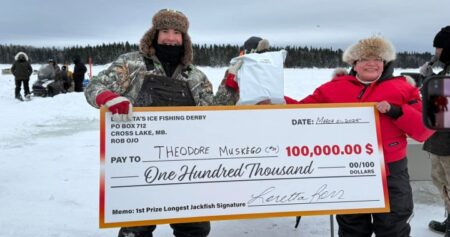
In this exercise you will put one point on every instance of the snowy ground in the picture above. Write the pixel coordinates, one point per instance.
(49, 169)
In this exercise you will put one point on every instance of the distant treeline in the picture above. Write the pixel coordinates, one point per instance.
(204, 55)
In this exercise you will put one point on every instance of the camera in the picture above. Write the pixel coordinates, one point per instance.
(435, 96)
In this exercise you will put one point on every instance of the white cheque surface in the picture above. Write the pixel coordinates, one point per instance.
(252, 162)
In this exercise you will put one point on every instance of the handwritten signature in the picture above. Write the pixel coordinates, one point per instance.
(270, 196)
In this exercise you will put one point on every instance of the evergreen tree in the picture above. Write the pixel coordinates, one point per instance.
(204, 55)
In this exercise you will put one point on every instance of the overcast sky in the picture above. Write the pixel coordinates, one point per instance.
(410, 24)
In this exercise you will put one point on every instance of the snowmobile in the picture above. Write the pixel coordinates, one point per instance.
(46, 85)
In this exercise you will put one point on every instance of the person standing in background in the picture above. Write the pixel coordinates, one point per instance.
(47, 71)
(228, 91)
(441, 43)
(66, 78)
(438, 145)
(78, 73)
(22, 70)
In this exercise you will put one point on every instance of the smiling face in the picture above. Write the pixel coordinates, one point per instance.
(170, 37)
(369, 69)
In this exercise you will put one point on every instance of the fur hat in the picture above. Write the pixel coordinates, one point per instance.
(371, 47)
(19, 54)
(168, 19)
(256, 45)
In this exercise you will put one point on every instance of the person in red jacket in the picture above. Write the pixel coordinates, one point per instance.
(370, 80)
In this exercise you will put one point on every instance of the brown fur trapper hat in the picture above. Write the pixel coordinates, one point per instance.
(371, 47)
(168, 19)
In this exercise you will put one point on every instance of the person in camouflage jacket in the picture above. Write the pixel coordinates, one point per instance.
(165, 53)
(228, 90)
(125, 76)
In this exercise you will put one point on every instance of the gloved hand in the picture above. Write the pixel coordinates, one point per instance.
(426, 70)
(121, 107)
(231, 76)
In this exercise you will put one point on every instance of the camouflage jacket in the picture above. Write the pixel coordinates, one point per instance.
(126, 74)
(225, 95)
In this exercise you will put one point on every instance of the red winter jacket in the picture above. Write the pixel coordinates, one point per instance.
(289, 100)
(396, 91)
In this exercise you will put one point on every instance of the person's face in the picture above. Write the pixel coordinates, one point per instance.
(170, 37)
(438, 52)
(369, 69)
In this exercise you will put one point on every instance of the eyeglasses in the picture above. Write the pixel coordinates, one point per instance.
(367, 60)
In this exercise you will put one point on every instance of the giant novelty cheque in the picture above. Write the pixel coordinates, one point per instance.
(187, 164)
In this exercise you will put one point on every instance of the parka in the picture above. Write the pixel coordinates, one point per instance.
(395, 90)
(21, 69)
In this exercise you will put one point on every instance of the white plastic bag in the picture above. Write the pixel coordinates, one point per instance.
(261, 77)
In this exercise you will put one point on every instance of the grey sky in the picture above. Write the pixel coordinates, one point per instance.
(409, 24)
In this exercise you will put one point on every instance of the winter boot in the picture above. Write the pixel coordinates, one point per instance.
(19, 97)
(28, 97)
(438, 226)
